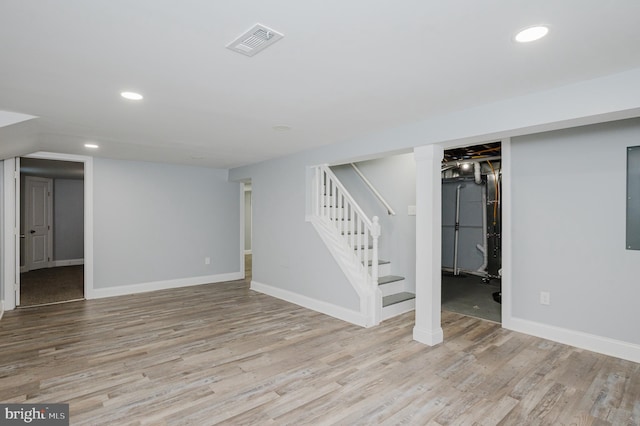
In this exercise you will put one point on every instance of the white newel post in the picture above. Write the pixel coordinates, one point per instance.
(375, 234)
(377, 294)
(428, 328)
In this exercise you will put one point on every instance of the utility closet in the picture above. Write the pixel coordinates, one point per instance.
(471, 214)
(471, 220)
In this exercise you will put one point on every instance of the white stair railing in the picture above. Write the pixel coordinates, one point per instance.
(333, 204)
(374, 190)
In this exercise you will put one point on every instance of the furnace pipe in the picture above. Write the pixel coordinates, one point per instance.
(484, 247)
(457, 231)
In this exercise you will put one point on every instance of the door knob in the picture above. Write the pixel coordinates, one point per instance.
(32, 232)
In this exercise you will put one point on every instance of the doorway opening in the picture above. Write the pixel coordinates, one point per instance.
(51, 231)
(247, 227)
(471, 231)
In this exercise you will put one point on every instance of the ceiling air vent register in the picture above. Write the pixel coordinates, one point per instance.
(256, 39)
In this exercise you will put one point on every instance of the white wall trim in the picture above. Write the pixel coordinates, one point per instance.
(505, 205)
(591, 342)
(242, 250)
(124, 290)
(57, 263)
(428, 337)
(335, 311)
(1, 308)
(68, 262)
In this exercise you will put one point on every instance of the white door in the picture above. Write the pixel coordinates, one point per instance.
(38, 221)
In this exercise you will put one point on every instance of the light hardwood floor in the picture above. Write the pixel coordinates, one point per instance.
(222, 353)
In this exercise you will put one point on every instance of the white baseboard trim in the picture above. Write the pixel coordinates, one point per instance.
(1, 308)
(344, 314)
(428, 337)
(591, 342)
(57, 263)
(68, 262)
(247, 252)
(123, 290)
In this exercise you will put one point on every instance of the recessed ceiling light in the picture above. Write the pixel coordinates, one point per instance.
(132, 96)
(91, 145)
(531, 34)
(281, 128)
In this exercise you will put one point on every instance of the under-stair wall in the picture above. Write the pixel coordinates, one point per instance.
(395, 178)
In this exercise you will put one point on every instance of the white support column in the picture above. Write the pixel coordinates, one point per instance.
(427, 328)
(505, 215)
(9, 231)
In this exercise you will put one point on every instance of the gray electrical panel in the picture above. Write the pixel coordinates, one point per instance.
(633, 198)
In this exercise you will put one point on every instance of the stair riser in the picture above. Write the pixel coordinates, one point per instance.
(384, 269)
(392, 288)
(398, 309)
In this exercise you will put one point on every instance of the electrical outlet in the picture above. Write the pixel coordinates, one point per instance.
(545, 298)
(207, 260)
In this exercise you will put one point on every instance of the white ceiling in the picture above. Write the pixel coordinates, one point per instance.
(344, 69)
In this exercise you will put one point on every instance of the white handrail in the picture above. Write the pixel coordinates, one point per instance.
(374, 190)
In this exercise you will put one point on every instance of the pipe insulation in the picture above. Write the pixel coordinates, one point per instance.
(457, 231)
(484, 247)
(476, 173)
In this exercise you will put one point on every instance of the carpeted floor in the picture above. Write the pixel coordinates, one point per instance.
(468, 295)
(51, 285)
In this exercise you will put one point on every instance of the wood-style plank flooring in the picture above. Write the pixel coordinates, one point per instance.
(222, 353)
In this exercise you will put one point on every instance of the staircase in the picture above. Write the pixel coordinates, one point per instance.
(352, 239)
(396, 299)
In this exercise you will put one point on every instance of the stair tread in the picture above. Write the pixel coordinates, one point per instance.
(389, 279)
(392, 299)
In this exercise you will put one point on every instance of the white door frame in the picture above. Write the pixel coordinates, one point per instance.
(428, 328)
(11, 242)
(11, 258)
(242, 271)
(247, 189)
(28, 207)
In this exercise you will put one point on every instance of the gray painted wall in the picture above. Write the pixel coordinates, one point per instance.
(394, 177)
(157, 222)
(287, 251)
(568, 210)
(68, 219)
